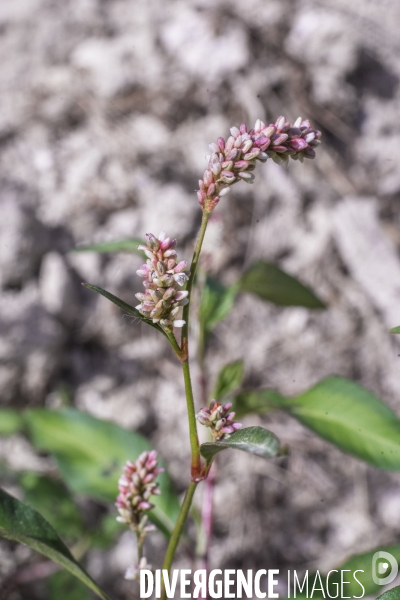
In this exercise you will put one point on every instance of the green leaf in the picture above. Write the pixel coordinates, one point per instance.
(358, 566)
(256, 402)
(363, 562)
(130, 310)
(216, 302)
(270, 283)
(90, 454)
(130, 245)
(395, 330)
(255, 440)
(53, 501)
(11, 421)
(393, 594)
(62, 585)
(229, 379)
(106, 531)
(20, 523)
(360, 562)
(352, 418)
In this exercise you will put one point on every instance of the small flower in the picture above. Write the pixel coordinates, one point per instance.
(219, 419)
(163, 276)
(132, 573)
(136, 486)
(234, 159)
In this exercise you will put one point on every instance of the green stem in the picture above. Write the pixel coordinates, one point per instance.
(176, 534)
(193, 267)
(183, 355)
(140, 541)
(194, 440)
(172, 340)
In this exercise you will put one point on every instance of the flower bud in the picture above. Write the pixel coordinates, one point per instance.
(218, 419)
(246, 146)
(221, 144)
(152, 241)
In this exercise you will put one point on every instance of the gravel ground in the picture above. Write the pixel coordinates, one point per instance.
(108, 107)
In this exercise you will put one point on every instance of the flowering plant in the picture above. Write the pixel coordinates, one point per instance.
(145, 500)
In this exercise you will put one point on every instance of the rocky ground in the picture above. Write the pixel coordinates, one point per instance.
(108, 107)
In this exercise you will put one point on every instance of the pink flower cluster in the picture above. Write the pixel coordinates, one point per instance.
(136, 485)
(219, 419)
(162, 275)
(235, 159)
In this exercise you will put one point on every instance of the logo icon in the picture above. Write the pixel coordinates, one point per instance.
(384, 568)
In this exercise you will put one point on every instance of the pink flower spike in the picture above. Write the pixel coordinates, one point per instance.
(236, 157)
(162, 278)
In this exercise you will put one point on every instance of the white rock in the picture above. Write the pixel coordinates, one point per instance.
(369, 254)
(173, 208)
(57, 287)
(23, 240)
(322, 39)
(190, 37)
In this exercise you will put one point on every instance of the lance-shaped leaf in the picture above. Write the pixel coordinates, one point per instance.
(130, 310)
(255, 440)
(90, 454)
(20, 523)
(395, 330)
(352, 418)
(54, 502)
(11, 421)
(393, 594)
(130, 245)
(216, 302)
(229, 379)
(363, 564)
(268, 282)
(256, 402)
(63, 586)
(353, 578)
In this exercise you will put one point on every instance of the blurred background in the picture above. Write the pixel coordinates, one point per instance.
(107, 110)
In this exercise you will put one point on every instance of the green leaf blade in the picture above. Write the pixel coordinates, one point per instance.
(216, 303)
(63, 586)
(11, 421)
(90, 454)
(270, 283)
(254, 440)
(20, 523)
(54, 502)
(229, 379)
(127, 308)
(256, 402)
(393, 594)
(395, 330)
(352, 418)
